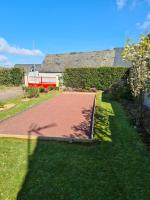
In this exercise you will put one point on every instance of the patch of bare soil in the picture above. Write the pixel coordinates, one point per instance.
(25, 99)
(7, 106)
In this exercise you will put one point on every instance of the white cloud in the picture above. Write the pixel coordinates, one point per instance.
(131, 3)
(148, 2)
(121, 3)
(146, 24)
(5, 47)
(4, 60)
(134, 4)
(148, 16)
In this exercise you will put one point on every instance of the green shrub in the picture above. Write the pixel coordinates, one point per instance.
(87, 88)
(57, 88)
(1, 104)
(11, 76)
(16, 76)
(51, 88)
(121, 91)
(99, 78)
(23, 87)
(31, 92)
(41, 89)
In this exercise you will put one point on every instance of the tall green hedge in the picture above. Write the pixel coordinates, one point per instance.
(100, 78)
(11, 76)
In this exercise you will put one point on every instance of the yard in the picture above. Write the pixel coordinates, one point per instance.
(20, 104)
(116, 168)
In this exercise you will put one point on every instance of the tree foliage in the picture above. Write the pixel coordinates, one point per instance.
(11, 76)
(138, 56)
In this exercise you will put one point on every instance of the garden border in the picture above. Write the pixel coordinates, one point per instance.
(26, 109)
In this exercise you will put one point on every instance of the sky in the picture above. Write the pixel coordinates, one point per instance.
(30, 29)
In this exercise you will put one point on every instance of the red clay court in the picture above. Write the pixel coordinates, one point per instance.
(65, 116)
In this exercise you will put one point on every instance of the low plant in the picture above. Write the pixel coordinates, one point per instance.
(57, 88)
(31, 92)
(1, 104)
(51, 88)
(41, 89)
(87, 88)
(25, 89)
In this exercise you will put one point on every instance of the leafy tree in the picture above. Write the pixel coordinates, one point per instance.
(138, 56)
(16, 76)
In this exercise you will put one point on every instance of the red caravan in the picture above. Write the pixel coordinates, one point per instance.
(39, 79)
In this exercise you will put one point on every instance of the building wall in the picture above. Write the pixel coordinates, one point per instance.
(56, 75)
(50, 74)
(35, 77)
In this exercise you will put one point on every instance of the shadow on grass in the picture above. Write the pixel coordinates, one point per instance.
(34, 129)
(64, 171)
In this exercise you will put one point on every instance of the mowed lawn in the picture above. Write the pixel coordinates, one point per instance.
(117, 168)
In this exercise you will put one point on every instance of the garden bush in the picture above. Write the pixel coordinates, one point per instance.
(16, 76)
(51, 88)
(57, 88)
(11, 76)
(100, 78)
(31, 92)
(121, 91)
(41, 90)
(2, 104)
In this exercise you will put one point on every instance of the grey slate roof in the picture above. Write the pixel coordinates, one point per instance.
(118, 58)
(58, 62)
(27, 67)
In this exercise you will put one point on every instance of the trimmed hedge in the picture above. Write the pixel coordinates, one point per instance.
(11, 76)
(100, 78)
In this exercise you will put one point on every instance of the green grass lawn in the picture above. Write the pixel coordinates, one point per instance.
(117, 168)
(23, 105)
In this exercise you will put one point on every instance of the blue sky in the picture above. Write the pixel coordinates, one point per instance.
(58, 26)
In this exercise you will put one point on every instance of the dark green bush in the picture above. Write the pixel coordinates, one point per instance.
(41, 90)
(121, 90)
(57, 88)
(11, 76)
(87, 88)
(2, 104)
(16, 76)
(51, 88)
(5, 76)
(99, 78)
